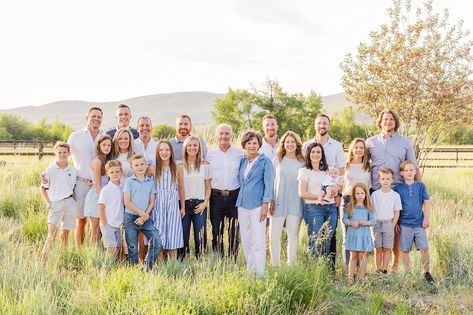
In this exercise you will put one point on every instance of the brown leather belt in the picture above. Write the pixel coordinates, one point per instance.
(225, 192)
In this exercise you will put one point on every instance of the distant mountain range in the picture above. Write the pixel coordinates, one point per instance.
(161, 108)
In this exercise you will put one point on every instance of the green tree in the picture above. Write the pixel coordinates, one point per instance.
(163, 131)
(17, 127)
(417, 65)
(345, 128)
(243, 109)
(4, 134)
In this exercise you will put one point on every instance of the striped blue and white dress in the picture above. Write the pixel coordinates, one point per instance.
(166, 214)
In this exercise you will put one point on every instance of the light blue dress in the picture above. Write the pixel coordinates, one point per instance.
(166, 214)
(359, 239)
(91, 207)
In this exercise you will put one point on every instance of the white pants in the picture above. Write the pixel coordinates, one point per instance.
(276, 224)
(253, 239)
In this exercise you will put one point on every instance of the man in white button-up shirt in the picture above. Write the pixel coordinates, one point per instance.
(224, 163)
(145, 144)
(82, 145)
(270, 139)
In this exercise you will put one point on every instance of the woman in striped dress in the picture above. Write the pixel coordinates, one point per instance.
(168, 211)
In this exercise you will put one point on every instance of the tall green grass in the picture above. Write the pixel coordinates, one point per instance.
(87, 281)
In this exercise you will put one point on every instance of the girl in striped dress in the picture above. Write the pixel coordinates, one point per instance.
(168, 211)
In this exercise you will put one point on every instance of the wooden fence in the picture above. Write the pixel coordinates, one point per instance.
(441, 157)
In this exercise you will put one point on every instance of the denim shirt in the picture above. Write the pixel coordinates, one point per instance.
(257, 188)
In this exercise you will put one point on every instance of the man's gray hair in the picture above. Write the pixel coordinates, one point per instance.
(224, 126)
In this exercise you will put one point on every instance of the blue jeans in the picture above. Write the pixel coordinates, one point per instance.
(131, 237)
(199, 222)
(315, 215)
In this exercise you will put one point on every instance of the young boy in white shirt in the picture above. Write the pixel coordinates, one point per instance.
(58, 193)
(387, 206)
(111, 208)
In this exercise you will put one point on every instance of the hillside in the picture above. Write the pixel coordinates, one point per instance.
(161, 108)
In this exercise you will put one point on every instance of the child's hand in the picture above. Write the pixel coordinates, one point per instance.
(103, 221)
(425, 224)
(355, 224)
(145, 217)
(397, 228)
(43, 179)
(90, 184)
(139, 221)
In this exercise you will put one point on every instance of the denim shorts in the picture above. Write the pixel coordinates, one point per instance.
(413, 235)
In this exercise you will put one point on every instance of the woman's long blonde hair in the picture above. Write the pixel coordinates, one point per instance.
(366, 202)
(198, 158)
(131, 147)
(281, 152)
(366, 156)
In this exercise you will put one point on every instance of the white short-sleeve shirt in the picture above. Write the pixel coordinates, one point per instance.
(194, 182)
(61, 181)
(314, 181)
(385, 203)
(112, 197)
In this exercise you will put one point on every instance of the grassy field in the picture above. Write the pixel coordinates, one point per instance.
(86, 281)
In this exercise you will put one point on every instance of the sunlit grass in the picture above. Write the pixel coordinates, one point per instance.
(86, 281)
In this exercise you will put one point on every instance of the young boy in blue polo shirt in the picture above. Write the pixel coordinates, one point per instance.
(139, 196)
(414, 218)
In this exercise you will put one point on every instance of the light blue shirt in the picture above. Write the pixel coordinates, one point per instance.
(140, 191)
(389, 152)
(257, 187)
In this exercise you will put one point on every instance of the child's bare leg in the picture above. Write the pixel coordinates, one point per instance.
(172, 253)
(64, 238)
(80, 231)
(363, 263)
(52, 228)
(94, 230)
(379, 258)
(406, 260)
(425, 257)
(386, 258)
(352, 266)
(396, 252)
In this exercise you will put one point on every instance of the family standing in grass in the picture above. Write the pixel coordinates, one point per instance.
(152, 192)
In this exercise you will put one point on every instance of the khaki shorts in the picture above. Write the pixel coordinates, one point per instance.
(383, 234)
(111, 236)
(81, 190)
(63, 212)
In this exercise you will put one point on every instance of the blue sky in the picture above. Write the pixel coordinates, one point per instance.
(112, 50)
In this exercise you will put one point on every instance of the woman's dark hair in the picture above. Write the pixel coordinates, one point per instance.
(249, 135)
(323, 162)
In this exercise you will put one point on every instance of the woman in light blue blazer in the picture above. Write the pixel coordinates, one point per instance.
(256, 192)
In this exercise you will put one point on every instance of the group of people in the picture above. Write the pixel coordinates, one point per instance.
(158, 189)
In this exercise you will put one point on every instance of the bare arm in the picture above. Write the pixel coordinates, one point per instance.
(44, 193)
(303, 193)
(426, 222)
(181, 191)
(97, 172)
(396, 219)
(103, 218)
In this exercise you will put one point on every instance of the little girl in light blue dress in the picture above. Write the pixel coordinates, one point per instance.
(358, 219)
